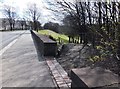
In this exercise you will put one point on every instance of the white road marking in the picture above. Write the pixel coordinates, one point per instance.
(7, 47)
(10, 44)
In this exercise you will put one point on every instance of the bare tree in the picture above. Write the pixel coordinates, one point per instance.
(51, 26)
(119, 30)
(11, 14)
(23, 24)
(34, 13)
(4, 23)
(99, 18)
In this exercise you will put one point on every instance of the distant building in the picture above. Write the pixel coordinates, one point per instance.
(4, 24)
(19, 24)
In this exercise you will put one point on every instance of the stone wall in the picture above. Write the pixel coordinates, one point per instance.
(95, 78)
(46, 46)
(39, 43)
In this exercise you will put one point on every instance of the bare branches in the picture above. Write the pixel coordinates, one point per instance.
(101, 18)
(34, 14)
(10, 13)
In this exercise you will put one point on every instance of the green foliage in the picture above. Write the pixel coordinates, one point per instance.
(107, 42)
(106, 48)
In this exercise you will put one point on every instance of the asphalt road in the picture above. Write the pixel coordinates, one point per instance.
(8, 37)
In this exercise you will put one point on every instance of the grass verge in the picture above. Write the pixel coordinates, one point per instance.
(56, 36)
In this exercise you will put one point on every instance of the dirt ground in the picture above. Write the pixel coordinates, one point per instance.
(71, 57)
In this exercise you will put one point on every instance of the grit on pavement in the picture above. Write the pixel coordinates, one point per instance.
(21, 66)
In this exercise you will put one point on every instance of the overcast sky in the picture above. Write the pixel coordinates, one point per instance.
(21, 5)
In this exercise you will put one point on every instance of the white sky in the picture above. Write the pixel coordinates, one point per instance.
(21, 5)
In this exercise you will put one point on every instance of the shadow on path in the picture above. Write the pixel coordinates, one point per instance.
(39, 54)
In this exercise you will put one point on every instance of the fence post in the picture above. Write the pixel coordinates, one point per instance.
(72, 39)
(81, 38)
(59, 40)
(69, 39)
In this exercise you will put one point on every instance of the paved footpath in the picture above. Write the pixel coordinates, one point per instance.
(21, 66)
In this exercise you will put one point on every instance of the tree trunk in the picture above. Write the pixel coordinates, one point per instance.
(119, 32)
(99, 19)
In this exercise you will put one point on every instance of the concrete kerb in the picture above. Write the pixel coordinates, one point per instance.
(59, 74)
